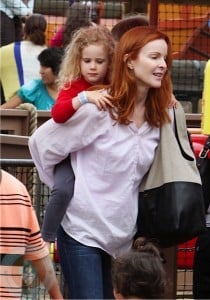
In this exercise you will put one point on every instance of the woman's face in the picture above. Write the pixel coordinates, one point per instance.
(150, 65)
(47, 75)
(94, 63)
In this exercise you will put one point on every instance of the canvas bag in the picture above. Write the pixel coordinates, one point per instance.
(171, 205)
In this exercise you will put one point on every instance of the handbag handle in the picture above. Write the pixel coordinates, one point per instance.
(204, 151)
(181, 134)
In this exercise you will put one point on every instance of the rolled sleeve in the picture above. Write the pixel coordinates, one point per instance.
(52, 142)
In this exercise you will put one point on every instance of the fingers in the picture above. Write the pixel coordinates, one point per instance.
(104, 102)
(173, 102)
(100, 99)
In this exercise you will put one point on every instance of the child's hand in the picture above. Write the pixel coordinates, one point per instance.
(99, 98)
(173, 102)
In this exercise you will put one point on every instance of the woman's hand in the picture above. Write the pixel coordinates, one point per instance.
(173, 102)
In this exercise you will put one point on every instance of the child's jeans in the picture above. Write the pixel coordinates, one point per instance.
(60, 197)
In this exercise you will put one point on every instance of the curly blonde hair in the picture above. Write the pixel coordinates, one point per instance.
(70, 68)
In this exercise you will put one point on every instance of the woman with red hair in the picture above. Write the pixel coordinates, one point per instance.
(111, 151)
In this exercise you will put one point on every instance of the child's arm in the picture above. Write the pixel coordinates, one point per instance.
(69, 100)
(97, 97)
(62, 110)
(46, 274)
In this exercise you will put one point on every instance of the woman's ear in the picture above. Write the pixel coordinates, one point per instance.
(128, 62)
(125, 57)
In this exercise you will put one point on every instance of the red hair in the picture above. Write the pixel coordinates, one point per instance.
(123, 86)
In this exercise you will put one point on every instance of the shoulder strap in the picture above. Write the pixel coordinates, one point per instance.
(181, 133)
(205, 149)
(204, 152)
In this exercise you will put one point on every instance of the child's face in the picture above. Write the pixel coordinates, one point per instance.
(94, 63)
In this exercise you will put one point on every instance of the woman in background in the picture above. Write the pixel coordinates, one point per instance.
(80, 14)
(41, 92)
(19, 62)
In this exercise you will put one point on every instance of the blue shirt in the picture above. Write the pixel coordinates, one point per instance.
(35, 92)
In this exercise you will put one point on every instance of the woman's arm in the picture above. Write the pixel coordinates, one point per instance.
(12, 102)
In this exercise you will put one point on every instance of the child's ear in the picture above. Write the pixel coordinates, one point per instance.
(117, 295)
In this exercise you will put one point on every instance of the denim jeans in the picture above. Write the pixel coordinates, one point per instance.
(60, 197)
(87, 270)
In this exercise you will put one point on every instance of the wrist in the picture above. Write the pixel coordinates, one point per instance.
(82, 98)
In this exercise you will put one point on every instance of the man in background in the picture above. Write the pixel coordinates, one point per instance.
(20, 240)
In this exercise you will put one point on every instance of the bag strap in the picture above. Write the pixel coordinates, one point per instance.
(205, 149)
(181, 133)
(204, 152)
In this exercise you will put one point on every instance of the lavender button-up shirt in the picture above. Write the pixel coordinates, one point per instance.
(109, 161)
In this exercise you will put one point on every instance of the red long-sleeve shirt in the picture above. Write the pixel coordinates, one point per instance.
(63, 109)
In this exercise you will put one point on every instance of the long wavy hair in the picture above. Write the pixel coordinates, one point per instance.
(123, 87)
(71, 65)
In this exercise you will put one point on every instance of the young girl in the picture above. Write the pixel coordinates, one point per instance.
(86, 62)
(139, 274)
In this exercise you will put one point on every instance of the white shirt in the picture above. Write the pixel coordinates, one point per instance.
(16, 7)
(29, 57)
(27, 67)
(109, 161)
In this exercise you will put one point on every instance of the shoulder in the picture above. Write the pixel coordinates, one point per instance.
(31, 89)
(11, 183)
(90, 110)
(32, 84)
(89, 116)
(5, 49)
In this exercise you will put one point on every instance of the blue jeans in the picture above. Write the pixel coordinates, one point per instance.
(87, 270)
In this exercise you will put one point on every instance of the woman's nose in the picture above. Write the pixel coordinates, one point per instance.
(162, 63)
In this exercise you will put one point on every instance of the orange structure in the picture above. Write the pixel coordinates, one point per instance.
(188, 28)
